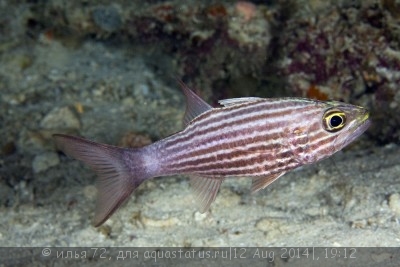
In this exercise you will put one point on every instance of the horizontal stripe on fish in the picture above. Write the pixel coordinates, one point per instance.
(238, 157)
(248, 133)
(242, 166)
(253, 170)
(222, 118)
(232, 112)
(322, 144)
(208, 134)
(196, 160)
(196, 131)
(226, 150)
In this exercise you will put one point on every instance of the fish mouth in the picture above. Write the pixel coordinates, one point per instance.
(362, 125)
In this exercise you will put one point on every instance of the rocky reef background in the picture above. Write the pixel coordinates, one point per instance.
(106, 70)
(320, 49)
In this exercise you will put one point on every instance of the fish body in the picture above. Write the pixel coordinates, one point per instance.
(254, 137)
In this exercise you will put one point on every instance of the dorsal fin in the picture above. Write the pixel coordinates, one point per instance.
(236, 101)
(194, 104)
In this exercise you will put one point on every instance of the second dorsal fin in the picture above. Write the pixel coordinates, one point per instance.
(194, 104)
(236, 101)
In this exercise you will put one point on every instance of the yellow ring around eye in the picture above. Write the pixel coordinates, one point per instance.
(334, 120)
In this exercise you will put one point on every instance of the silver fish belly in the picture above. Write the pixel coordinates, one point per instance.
(254, 137)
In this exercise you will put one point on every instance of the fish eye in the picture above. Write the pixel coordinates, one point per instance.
(334, 120)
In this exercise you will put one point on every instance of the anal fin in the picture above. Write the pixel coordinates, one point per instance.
(205, 190)
(262, 182)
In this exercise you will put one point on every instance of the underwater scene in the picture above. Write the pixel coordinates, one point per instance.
(193, 110)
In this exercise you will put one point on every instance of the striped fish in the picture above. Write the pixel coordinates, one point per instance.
(254, 137)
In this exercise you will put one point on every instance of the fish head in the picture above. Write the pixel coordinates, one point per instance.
(319, 129)
(355, 121)
(342, 123)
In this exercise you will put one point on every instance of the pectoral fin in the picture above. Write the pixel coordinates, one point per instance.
(264, 181)
(205, 190)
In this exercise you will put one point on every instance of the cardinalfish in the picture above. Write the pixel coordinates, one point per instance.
(253, 137)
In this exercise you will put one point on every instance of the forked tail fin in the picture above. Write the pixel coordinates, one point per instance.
(116, 179)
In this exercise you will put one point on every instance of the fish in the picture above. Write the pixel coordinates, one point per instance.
(259, 138)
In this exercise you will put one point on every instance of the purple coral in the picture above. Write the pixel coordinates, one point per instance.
(348, 54)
